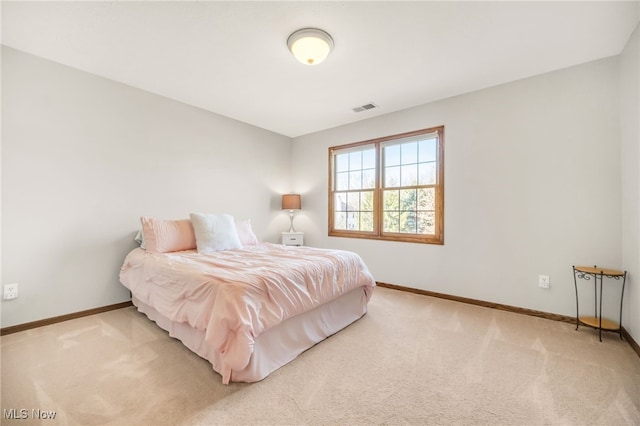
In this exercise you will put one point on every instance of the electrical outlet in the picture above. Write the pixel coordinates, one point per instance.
(10, 291)
(543, 281)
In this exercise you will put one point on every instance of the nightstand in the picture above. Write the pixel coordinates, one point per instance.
(293, 238)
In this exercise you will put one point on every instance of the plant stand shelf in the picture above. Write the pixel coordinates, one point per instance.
(594, 322)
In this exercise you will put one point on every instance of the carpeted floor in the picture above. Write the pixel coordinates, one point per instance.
(411, 360)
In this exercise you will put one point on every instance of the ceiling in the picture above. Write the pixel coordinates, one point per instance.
(231, 58)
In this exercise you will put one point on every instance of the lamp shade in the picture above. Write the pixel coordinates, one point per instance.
(310, 45)
(291, 202)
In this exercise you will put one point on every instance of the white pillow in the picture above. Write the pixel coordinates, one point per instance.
(245, 232)
(215, 232)
(139, 238)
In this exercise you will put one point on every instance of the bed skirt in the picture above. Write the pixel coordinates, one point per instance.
(276, 346)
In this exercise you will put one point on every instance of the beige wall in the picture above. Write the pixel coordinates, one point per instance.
(532, 186)
(630, 137)
(84, 157)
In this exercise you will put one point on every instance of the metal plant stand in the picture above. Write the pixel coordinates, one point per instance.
(596, 321)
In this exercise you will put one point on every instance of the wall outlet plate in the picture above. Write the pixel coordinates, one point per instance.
(543, 281)
(10, 291)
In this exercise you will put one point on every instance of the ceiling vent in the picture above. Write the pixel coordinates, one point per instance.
(368, 106)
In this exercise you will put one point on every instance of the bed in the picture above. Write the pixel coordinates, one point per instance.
(251, 309)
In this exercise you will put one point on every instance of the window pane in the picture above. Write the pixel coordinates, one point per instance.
(391, 177)
(392, 155)
(366, 221)
(408, 199)
(353, 221)
(340, 220)
(355, 160)
(359, 211)
(353, 201)
(366, 201)
(391, 222)
(368, 178)
(426, 223)
(427, 150)
(427, 199)
(369, 159)
(391, 200)
(342, 162)
(409, 152)
(340, 202)
(408, 222)
(355, 180)
(427, 173)
(409, 175)
(342, 181)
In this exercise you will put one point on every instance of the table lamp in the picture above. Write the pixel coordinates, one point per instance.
(291, 202)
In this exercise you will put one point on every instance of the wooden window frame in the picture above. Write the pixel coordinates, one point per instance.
(377, 233)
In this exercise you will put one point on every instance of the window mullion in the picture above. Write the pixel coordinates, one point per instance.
(378, 213)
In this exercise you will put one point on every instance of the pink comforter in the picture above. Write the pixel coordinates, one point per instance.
(235, 295)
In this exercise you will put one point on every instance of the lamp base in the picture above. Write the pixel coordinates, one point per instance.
(291, 228)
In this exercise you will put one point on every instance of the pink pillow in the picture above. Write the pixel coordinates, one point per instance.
(245, 232)
(164, 236)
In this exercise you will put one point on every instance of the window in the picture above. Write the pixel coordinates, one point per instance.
(390, 188)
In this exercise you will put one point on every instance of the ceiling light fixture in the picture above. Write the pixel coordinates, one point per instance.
(310, 45)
